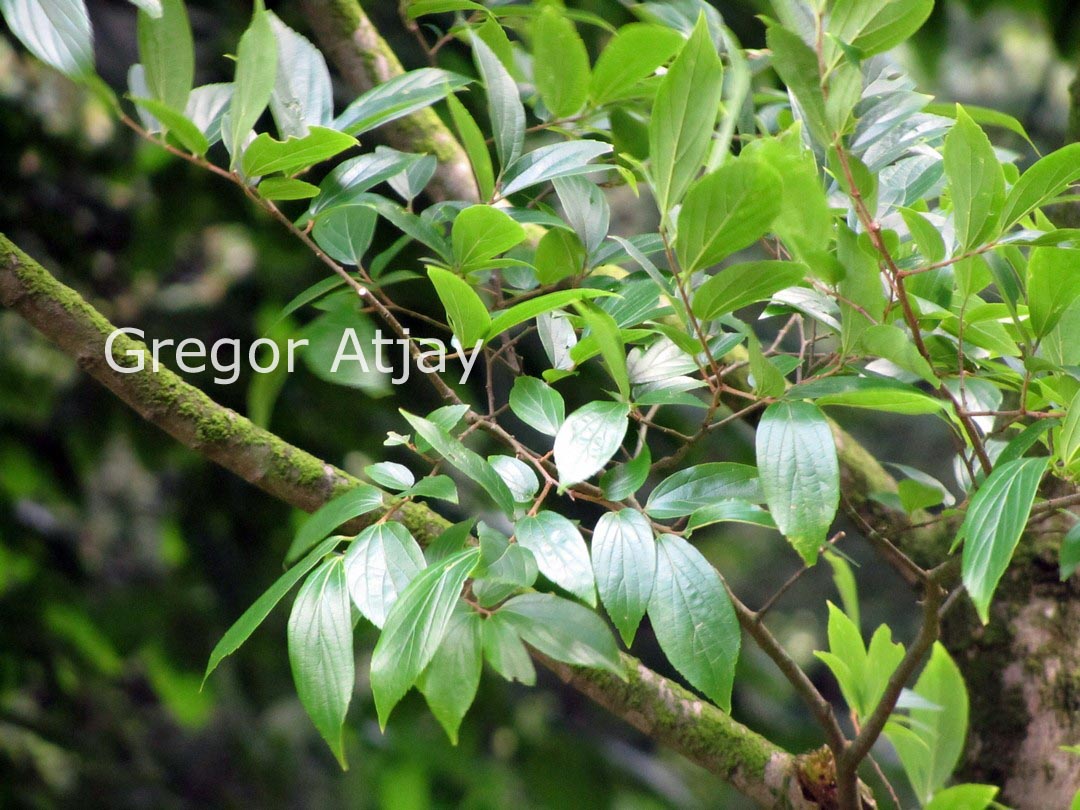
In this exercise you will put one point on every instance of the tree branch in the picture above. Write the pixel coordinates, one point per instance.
(648, 701)
(364, 59)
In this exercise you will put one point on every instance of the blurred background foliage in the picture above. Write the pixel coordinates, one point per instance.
(123, 557)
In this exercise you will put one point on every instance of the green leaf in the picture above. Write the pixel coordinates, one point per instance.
(236, 635)
(505, 651)
(995, 519)
(696, 487)
(538, 405)
(463, 459)
(624, 562)
(256, 72)
(341, 347)
(983, 116)
(303, 95)
(1042, 182)
(877, 394)
(505, 568)
(800, 476)
(559, 255)
(450, 681)
(475, 147)
(441, 487)
(683, 117)
(560, 63)
(527, 310)
(964, 797)
(518, 477)
(466, 312)
(360, 500)
(321, 652)
(176, 124)
(264, 155)
(604, 330)
(560, 552)
(733, 511)
(797, 66)
(167, 54)
(397, 97)
(863, 674)
(889, 342)
(693, 619)
(588, 439)
(940, 730)
(727, 211)
(480, 233)
(1069, 555)
(345, 233)
(352, 178)
(55, 31)
(875, 26)
(626, 479)
(585, 209)
(844, 579)
(504, 104)
(769, 381)
(740, 285)
(633, 54)
(976, 182)
(286, 188)
(551, 162)
(381, 561)
(390, 475)
(1053, 285)
(564, 630)
(415, 628)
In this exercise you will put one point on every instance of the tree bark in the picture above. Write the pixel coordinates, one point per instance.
(364, 59)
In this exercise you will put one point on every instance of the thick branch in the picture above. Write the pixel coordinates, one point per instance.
(648, 701)
(348, 37)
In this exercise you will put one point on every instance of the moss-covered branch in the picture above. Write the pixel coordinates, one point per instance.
(364, 59)
(648, 701)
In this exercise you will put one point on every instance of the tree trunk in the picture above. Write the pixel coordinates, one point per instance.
(1023, 676)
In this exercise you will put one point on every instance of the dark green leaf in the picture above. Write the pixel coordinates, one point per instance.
(693, 619)
(450, 681)
(398, 97)
(560, 552)
(624, 561)
(626, 479)
(695, 487)
(321, 652)
(504, 104)
(588, 439)
(550, 162)
(415, 628)
(380, 563)
(360, 500)
(564, 630)
(463, 459)
(505, 651)
(800, 475)
(254, 615)
(995, 519)
(345, 233)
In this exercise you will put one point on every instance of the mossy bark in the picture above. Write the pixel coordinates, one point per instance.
(364, 59)
(1023, 675)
